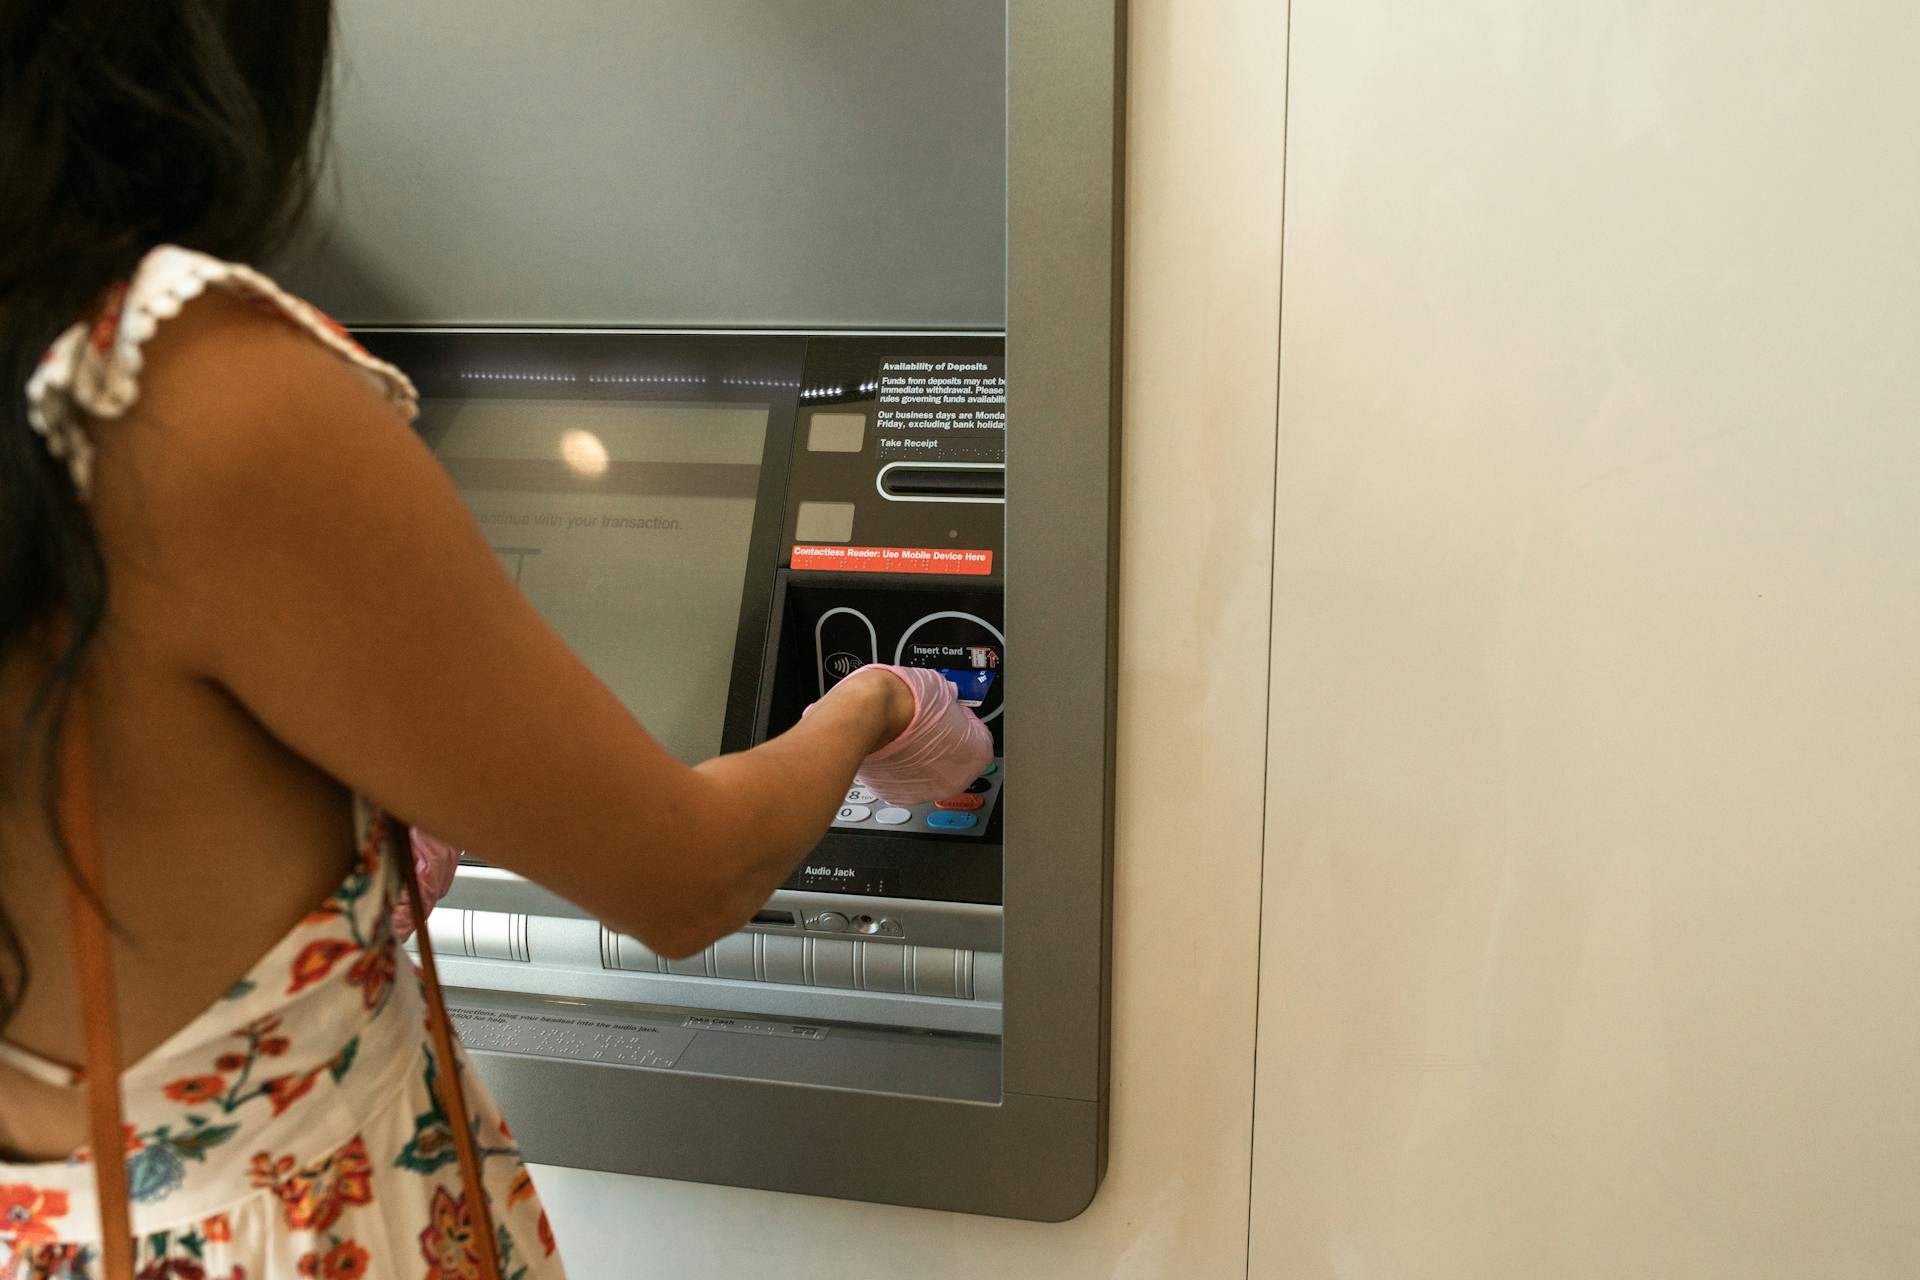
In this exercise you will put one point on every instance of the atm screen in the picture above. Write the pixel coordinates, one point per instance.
(627, 524)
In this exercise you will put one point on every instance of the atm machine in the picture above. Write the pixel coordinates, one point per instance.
(725, 520)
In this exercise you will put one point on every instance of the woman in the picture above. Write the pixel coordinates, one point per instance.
(217, 529)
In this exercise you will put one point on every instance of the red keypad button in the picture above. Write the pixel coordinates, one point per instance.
(963, 804)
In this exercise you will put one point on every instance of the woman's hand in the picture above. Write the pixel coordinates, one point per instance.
(931, 753)
(434, 861)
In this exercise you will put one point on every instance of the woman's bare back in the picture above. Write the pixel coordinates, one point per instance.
(216, 838)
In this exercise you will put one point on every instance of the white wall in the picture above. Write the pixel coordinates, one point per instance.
(1203, 269)
(1591, 944)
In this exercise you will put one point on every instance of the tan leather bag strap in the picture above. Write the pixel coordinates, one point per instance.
(93, 968)
(446, 1080)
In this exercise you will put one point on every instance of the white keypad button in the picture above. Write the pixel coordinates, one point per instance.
(891, 817)
(860, 795)
(854, 813)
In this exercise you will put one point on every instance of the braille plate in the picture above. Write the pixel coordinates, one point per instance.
(546, 1035)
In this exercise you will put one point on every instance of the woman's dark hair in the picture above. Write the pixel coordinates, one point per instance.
(124, 124)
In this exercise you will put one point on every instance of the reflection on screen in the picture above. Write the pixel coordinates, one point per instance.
(626, 525)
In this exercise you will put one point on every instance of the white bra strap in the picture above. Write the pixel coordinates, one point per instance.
(43, 1069)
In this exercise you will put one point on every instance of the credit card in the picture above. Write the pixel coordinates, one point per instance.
(972, 685)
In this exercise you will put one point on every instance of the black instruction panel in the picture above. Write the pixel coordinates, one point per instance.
(949, 410)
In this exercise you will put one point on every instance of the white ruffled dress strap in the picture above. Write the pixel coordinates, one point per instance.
(92, 371)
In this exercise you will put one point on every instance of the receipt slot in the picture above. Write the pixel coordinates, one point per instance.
(726, 522)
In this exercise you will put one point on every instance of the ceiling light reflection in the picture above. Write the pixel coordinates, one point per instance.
(584, 452)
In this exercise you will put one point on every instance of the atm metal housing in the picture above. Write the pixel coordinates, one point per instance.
(1035, 1146)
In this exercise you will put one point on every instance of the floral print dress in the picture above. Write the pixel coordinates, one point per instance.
(291, 1130)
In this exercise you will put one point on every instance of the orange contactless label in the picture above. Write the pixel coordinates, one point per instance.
(974, 564)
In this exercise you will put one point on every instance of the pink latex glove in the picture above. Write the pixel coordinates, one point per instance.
(434, 861)
(942, 750)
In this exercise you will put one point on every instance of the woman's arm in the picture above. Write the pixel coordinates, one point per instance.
(322, 569)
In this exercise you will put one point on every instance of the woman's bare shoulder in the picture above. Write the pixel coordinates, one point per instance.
(254, 468)
(231, 395)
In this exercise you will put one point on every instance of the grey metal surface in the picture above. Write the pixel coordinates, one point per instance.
(1064, 186)
(616, 1039)
(857, 1144)
(761, 163)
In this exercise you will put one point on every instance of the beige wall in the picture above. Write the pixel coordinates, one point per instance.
(1591, 945)
(1588, 942)
(1203, 266)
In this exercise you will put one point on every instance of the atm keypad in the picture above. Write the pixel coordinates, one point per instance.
(962, 815)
